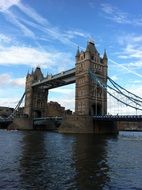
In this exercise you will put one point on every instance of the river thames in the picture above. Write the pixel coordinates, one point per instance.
(45, 160)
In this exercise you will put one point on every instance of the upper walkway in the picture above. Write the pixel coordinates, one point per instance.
(60, 79)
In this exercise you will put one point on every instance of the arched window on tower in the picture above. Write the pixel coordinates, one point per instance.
(92, 57)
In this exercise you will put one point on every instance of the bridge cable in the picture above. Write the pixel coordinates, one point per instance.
(129, 97)
(17, 107)
(124, 89)
(104, 86)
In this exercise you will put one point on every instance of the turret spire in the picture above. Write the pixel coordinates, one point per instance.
(78, 52)
(105, 55)
(28, 73)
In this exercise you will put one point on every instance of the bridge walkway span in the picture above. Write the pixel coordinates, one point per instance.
(118, 118)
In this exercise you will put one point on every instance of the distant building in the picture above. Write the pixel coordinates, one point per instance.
(55, 109)
(5, 111)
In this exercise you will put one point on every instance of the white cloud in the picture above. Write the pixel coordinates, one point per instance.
(116, 107)
(113, 13)
(114, 77)
(15, 20)
(65, 101)
(15, 55)
(125, 67)
(131, 52)
(6, 4)
(40, 23)
(33, 14)
(18, 82)
(6, 80)
(4, 38)
(130, 40)
(64, 95)
(107, 8)
(119, 16)
(9, 102)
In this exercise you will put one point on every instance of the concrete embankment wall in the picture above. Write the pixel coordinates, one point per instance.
(129, 125)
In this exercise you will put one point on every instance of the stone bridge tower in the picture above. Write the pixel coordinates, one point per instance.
(90, 98)
(36, 97)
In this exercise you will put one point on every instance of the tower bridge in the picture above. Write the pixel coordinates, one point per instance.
(92, 90)
(90, 99)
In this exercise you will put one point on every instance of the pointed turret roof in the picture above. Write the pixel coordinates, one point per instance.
(91, 47)
(105, 54)
(37, 73)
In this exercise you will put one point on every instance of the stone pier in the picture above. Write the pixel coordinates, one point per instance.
(21, 123)
(86, 124)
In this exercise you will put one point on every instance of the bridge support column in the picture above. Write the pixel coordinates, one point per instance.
(76, 124)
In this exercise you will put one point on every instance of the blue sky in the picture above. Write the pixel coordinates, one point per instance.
(46, 33)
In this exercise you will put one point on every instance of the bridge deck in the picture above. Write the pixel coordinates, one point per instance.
(101, 118)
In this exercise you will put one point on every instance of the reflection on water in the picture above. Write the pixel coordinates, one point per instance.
(47, 161)
(52, 161)
(10, 150)
(91, 162)
(31, 162)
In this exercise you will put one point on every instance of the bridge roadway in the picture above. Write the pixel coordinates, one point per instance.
(53, 123)
(43, 121)
(60, 79)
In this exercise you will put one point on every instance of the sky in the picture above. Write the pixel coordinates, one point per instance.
(47, 33)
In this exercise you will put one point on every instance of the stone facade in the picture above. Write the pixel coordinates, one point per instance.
(90, 98)
(36, 98)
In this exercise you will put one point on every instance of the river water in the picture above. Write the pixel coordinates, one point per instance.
(46, 160)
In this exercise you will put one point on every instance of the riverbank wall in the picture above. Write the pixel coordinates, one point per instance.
(129, 125)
